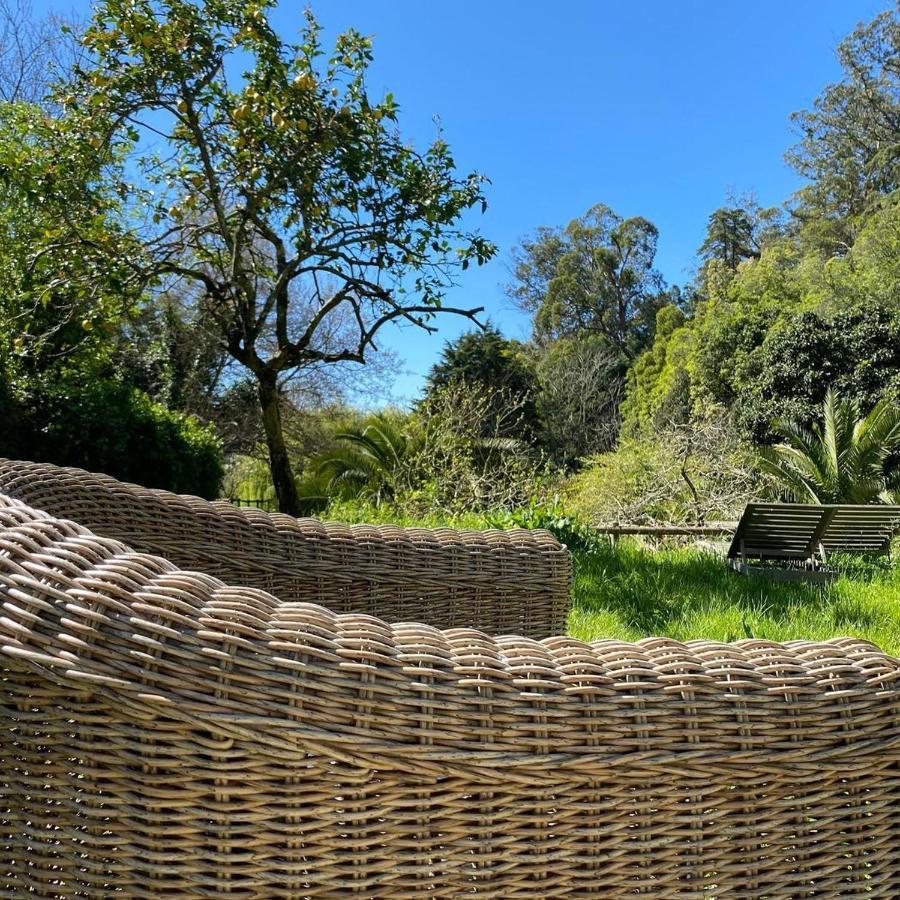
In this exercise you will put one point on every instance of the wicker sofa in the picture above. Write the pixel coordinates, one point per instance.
(164, 734)
(502, 582)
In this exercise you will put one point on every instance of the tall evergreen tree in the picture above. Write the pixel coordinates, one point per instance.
(595, 276)
(849, 147)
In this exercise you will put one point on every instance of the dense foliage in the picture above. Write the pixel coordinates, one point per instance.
(486, 362)
(214, 290)
(65, 394)
(844, 458)
(855, 352)
(286, 200)
(107, 426)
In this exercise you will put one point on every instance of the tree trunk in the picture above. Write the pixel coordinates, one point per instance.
(279, 464)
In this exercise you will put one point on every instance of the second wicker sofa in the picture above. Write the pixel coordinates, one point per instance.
(502, 582)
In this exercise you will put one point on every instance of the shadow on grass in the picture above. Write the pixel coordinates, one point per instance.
(648, 590)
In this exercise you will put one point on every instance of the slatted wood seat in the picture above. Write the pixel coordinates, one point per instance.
(802, 535)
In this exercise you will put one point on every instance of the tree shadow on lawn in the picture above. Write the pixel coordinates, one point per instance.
(649, 590)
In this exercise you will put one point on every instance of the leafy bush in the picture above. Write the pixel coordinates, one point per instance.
(581, 382)
(465, 457)
(248, 478)
(550, 515)
(856, 352)
(843, 458)
(369, 462)
(693, 473)
(107, 426)
(553, 517)
(487, 362)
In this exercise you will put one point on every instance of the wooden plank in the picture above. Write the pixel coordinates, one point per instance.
(776, 531)
(663, 530)
(773, 553)
(780, 529)
(862, 529)
(816, 537)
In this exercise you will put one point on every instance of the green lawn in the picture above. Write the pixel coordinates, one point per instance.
(630, 592)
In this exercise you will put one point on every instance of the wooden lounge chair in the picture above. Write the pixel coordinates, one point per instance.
(800, 536)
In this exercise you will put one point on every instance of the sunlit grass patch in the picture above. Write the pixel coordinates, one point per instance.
(629, 591)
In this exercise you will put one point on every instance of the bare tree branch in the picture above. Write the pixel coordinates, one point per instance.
(34, 52)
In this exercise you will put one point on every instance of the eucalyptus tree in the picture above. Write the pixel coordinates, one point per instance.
(849, 142)
(595, 276)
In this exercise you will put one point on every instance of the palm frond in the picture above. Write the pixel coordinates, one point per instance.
(840, 460)
(800, 487)
(364, 462)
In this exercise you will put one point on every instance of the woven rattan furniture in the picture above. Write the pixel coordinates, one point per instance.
(166, 735)
(503, 582)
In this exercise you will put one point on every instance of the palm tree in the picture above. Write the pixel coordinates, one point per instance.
(842, 459)
(366, 463)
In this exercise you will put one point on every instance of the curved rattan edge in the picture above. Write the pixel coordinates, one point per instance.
(89, 612)
(497, 581)
(29, 481)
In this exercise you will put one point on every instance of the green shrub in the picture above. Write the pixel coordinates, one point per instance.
(107, 426)
(555, 518)
(856, 353)
(249, 478)
(358, 511)
(551, 516)
(694, 473)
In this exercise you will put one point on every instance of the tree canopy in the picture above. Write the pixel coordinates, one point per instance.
(206, 228)
(842, 458)
(849, 149)
(262, 173)
(594, 276)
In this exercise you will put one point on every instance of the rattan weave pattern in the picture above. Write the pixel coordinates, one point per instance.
(502, 582)
(166, 735)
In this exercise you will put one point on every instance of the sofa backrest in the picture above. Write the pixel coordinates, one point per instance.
(515, 581)
(165, 734)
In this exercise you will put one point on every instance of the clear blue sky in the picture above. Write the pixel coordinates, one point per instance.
(656, 108)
